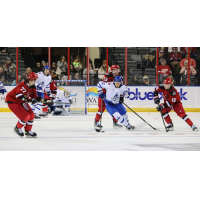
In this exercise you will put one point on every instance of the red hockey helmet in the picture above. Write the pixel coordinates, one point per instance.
(32, 76)
(115, 67)
(167, 81)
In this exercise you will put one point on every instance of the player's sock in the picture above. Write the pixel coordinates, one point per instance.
(29, 125)
(187, 120)
(115, 120)
(167, 118)
(98, 116)
(45, 108)
(20, 124)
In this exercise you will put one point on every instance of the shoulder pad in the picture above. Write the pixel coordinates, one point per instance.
(173, 91)
(161, 86)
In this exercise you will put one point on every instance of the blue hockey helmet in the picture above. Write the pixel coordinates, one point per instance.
(46, 67)
(118, 79)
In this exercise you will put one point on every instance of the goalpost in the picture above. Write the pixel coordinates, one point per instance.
(78, 94)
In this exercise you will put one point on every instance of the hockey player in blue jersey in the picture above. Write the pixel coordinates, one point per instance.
(42, 85)
(114, 106)
(2, 89)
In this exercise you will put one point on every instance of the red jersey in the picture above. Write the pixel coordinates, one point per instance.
(164, 70)
(21, 91)
(175, 56)
(108, 77)
(170, 96)
(53, 87)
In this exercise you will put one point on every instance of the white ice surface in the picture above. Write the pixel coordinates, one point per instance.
(76, 133)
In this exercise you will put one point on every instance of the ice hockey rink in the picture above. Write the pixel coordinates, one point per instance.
(76, 133)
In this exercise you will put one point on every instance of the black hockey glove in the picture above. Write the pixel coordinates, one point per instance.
(121, 100)
(160, 107)
(39, 98)
(33, 101)
(70, 101)
(156, 100)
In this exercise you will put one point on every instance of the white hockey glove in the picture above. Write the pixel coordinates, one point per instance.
(126, 94)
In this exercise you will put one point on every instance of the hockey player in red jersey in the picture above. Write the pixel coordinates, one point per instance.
(171, 102)
(109, 77)
(49, 97)
(17, 102)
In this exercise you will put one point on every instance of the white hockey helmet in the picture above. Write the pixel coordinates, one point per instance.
(67, 93)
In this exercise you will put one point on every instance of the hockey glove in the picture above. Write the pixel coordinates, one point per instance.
(49, 102)
(39, 98)
(126, 94)
(33, 101)
(70, 101)
(156, 100)
(160, 107)
(121, 100)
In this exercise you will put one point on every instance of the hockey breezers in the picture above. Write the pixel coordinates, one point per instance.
(139, 116)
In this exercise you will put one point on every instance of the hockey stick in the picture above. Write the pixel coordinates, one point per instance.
(163, 121)
(139, 116)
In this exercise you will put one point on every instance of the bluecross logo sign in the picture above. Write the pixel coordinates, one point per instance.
(149, 95)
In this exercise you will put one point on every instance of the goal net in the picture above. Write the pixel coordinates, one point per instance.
(78, 94)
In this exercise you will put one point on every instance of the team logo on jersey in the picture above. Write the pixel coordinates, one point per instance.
(174, 93)
(92, 92)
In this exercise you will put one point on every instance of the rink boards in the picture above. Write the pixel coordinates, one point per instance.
(141, 98)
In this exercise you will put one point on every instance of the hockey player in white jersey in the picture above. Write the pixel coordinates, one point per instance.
(2, 88)
(62, 101)
(42, 84)
(112, 100)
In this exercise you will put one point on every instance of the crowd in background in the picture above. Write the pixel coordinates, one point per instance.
(174, 62)
(171, 63)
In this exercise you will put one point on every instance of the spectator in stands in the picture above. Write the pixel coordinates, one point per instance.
(193, 52)
(39, 68)
(102, 70)
(175, 58)
(4, 81)
(44, 63)
(27, 72)
(12, 75)
(19, 80)
(163, 71)
(62, 64)
(162, 56)
(192, 62)
(2, 49)
(184, 75)
(77, 65)
(55, 72)
(1, 72)
(145, 81)
(146, 63)
(8, 67)
(91, 71)
(165, 51)
(72, 70)
(135, 81)
(152, 59)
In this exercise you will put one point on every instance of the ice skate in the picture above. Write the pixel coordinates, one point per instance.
(44, 114)
(194, 127)
(117, 125)
(170, 127)
(18, 131)
(30, 134)
(97, 126)
(130, 127)
(37, 117)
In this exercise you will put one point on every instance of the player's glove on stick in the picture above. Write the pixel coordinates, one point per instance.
(121, 100)
(33, 101)
(101, 95)
(126, 94)
(160, 107)
(70, 101)
(156, 100)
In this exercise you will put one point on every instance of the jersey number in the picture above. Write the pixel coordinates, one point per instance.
(23, 90)
(173, 99)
